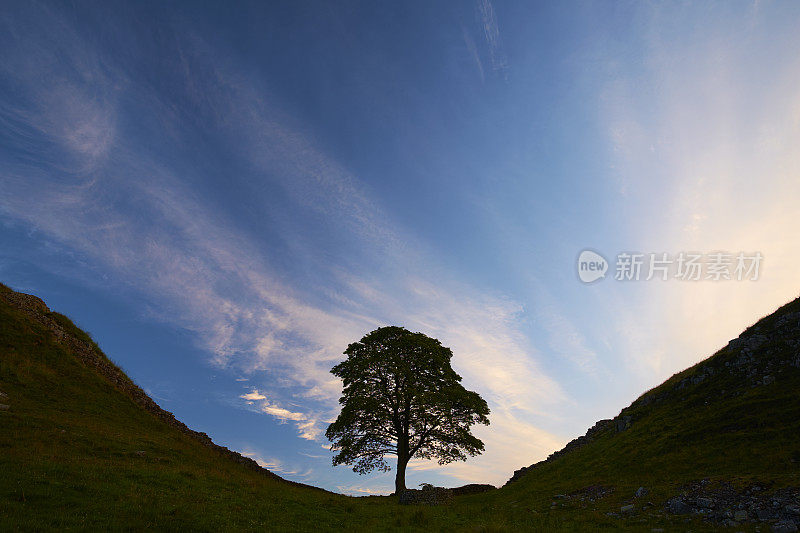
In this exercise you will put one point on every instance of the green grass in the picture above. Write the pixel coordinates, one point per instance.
(69, 443)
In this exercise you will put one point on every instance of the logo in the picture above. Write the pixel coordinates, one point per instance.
(684, 266)
(591, 266)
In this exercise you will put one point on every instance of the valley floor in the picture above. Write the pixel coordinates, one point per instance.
(76, 453)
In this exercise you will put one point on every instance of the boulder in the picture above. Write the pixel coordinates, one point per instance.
(705, 503)
(677, 506)
(784, 526)
(763, 514)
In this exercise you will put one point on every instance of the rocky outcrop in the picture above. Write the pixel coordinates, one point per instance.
(725, 504)
(89, 354)
(759, 357)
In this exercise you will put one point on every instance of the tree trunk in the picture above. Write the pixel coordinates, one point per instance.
(400, 478)
(402, 450)
(402, 461)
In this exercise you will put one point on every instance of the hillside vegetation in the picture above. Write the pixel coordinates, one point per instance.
(82, 447)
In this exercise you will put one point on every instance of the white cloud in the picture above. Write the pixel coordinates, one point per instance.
(281, 413)
(254, 395)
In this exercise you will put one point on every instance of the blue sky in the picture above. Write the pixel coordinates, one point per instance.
(227, 195)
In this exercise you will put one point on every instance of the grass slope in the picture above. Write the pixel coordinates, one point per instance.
(732, 417)
(71, 443)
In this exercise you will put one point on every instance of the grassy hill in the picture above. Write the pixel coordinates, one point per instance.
(82, 447)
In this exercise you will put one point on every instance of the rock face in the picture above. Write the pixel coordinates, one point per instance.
(91, 356)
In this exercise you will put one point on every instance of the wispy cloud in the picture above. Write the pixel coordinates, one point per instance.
(472, 48)
(140, 219)
(204, 274)
(276, 465)
(491, 33)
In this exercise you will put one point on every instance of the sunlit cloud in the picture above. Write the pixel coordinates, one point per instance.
(254, 395)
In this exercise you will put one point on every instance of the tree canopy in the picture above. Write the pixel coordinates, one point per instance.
(401, 397)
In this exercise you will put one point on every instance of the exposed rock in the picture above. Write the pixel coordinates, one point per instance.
(627, 508)
(3, 407)
(719, 502)
(641, 491)
(26, 302)
(758, 357)
(705, 503)
(763, 514)
(677, 506)
(784, 526)
(592, 493)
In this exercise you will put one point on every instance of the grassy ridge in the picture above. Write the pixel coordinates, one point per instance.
(75, 453)
(725, 426)
(72, 455)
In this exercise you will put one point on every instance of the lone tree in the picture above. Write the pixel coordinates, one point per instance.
(401, 397)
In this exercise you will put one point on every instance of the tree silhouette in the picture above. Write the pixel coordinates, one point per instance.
(401, 397)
